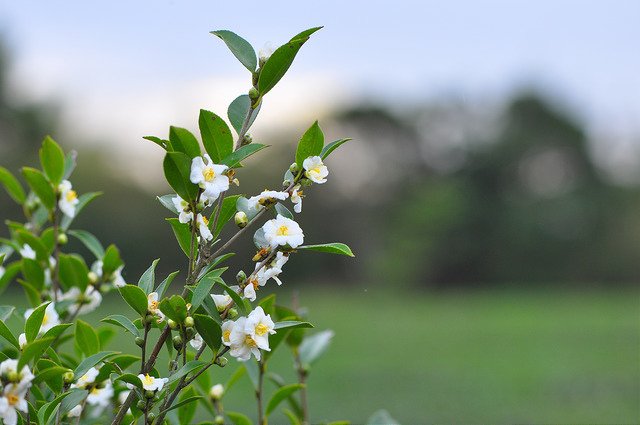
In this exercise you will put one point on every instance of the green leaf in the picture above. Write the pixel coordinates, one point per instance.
(86, 338)
(69, 164)
(73, 272)
(310, 144)
(6, 334)
(50, 373)
(90, 241)
(314, 346)
(33, 350)
(187, 409)
(186, 369)
(216, 136)
(233, 160)
(202, 289)
(177, 171)
(292, 324)
(179, 306)
(184, 402)
(280, 61)
(162, 288)
(280, 395)
(91, 361)
(184, 141)
(40, 186)
(326, 151)
(238, 418)
(183, 234)
(135, 297)
(148, 279)
(52, 160)
(164, 144)
(32, 293)
(268, 304)
(12, 186)
(10, 271)
(238, 110)
(42, 253)
(83, 200)
(72, 399)
(111, 260)
(240, 48)
(253, 372)
(240, 302)
(293, 419)
(283, 211)
(129, 378)
(167, 202)
(5, 312)
(57, 330)
(34, 322)
(227, 211)
(382, 417)
(209, 330)
(33, 273)
(331, 248)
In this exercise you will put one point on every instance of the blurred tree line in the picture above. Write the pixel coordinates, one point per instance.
(435, 195)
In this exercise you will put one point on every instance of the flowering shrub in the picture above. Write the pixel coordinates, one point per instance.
(59, 369)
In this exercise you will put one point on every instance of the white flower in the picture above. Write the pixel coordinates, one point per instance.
(270, 271)
(250, 291)
(315, 170)
(101, 396)
(28, 252)
(296, 198)
(152, 305)
(12, 400)
(209, 177)
(22, 340)
(283, 231)
(259, 326)
(227, 327)
(151, 383)
(267, 197)
(221, 301)
(10, 367)
(203, 227)
(242, 344)
(83, 302)
(265, 52)
(216, 392)
(86, 379)
(49, 320)
(116, 278)
(182, 206)
(75, 412)
(197, 342)
(68, 199)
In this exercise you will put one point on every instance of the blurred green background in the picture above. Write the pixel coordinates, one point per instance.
(496, 226)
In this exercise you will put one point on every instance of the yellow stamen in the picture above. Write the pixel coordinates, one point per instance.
(148, 380)
(282, 231)
(153, 305)
(205, 220)
(95, 390)
(208, 174)
(261, 329)
(226, 335)
(249, 341)
(71, 195)
(45, 319)
(12, 399)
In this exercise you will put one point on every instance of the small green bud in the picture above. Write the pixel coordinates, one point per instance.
(191, 332)
(294, 168)
(149, 394)
(222, 361)
(255, 77)
(218, 420)
(173, 364)
(200, 207)
(141, 405)
(253, 93)
(151, 416)
(62, 239)
(188, 322)
(68, 377)
(150, 318)
(139, 341)
(177, 342)
(14, 376)
(156, 398)
(233, 313)
(241, 219)
(241, 276)
(246, 140)
(172, 324)
(286, 183)
(93, 278)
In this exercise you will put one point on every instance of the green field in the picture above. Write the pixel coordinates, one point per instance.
(471, 357)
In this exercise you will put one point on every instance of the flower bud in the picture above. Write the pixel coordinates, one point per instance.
(188, 322)
(93, 278)
(233, 313)
(172, 324)
(68, 377)
(151, 416)
(13, 376)
(141, 405)
(173, 364)
(255, 77)
(139, 341)
(241, 276)
(149, 318)
(149, 393)
(62, 239)
(177, 342)
(190, 333)
(253, 93)
(221, 361)
(246, 140)
(241, 219)
(294, 168)
(218, 420)
(216, 392)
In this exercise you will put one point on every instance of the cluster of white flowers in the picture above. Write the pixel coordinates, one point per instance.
(248, 335)
(15, 386)
(260, 276)
(100, 393)
(68, 199)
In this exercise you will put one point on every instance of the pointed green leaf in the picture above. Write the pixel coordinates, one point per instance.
(183, 234)
(73, 272)
(227, 211)
(202, 289)
(123, 322)
(162, 288)
(216, 136)
(184, 141)
(34, 322)
(186, 369)
(240, 48)
(238, 110)
(148, 279)
(52, 160)
(164, 144)
(326, 151)
(167, 202)
(91, 361)
(6, 334)
(314, 346)
(40, 186)
(83, 200)
(135, 297)
(283, 211)
(331, 248)
(292, 324)
(10, 271)
(280, 395)
(111, 260)
(33, 273)
(33, 350)
(310, 144)
(90, 241)
(177, 171)
(238, 418)
(209, 330)
(12, 186)
(86, 338)
(233, 160)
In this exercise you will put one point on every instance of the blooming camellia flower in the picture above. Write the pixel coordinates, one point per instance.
(266, 197)
(283, 231)
(86, 379)
(196, 342)
(28, 252)
(260, 326)
(152, 305)
(151, 383)
(242, 344)
(216, 392)
(83, 302)
(101, 396)
(296, 198)
(209, 177)
(223, 301)
(68, 199)
(203, 227)
(315, 170)
(12, 400)
(182, 206)
(49, 320)
(10, 367)
(248, 335)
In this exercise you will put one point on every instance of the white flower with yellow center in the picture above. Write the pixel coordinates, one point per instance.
(271, 271)
(88, 378)
(100, 396)
(151, 383)
(83, 302)
(68, 199)
(183, 208)
(27, 252)
(12, 400)
(216, 392)
(152, 305)
(227, 327)
(209, 177)
(203, 227)
(283, 231)
(259, 326)
(9, 371)
(196, 342)
(49, 320)
(242, 344)
(266, 198)
(296, 198)
(315, 170)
